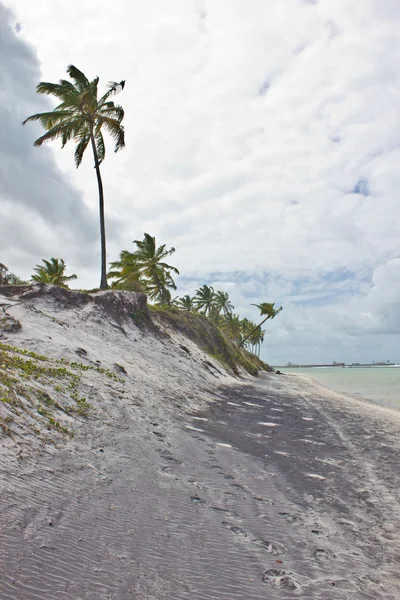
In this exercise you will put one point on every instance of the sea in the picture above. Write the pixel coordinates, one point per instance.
(379, 384)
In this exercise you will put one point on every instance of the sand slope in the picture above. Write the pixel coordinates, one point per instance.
(185, 482)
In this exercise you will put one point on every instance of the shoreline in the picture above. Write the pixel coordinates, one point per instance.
(388, 401)
(343, 395)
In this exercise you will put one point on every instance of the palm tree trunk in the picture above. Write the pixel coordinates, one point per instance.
(103, 277)
(254, 330)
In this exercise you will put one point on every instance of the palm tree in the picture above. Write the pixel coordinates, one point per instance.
(155, 274)
(232, 327)
(81, 116)
(266, 308)
(53, 271)
(205, 299)
(125, 272)
(222, 303)
(6, 278)
(185, 303)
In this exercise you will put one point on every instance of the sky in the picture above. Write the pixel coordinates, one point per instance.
(262, 142)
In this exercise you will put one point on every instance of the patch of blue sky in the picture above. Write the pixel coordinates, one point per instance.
(361, 188)
(327, 299)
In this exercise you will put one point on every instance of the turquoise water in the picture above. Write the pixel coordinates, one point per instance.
(380, 384)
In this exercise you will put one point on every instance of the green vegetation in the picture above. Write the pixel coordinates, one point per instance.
(145, 270)
(205, 299)
(81, 116)
(185, 303)
(216, 306)
(7, 278)
(209, 337)
(42, 389)
(53, 271)
(266, 308)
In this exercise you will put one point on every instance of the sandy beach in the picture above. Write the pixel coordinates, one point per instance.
(187, 482)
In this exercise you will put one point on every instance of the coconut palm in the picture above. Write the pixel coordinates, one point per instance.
(223, 304)
(81, 116)
(155, 274)
(53, 271)
(255, 340)
(125, 273)
(232, 327)
(205, 299)
(185, 303)
(7, 278)
(266, 308)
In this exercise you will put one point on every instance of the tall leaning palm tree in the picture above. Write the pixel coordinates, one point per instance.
(266, 308)
(81, 116)
(53, 271)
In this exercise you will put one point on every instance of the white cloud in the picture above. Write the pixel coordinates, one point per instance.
(250, 128)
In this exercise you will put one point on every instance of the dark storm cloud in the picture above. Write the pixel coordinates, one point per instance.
(29, 177)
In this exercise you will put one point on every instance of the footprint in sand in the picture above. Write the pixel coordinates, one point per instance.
(272, 547)
(322, 555)
(279, 578)
(235, 529)
(197, 500)
(239, 486)
(289, 517)
(166, 455)
(226, 511)
(263, 500)
(166, 469)
(159, 435)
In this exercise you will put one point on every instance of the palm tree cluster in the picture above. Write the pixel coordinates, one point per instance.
(217, 306)
(145, 270)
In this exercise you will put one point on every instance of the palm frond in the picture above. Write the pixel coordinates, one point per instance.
(100, 146)
(81, 80)
(48, 119)
(116, 131)
(113, 89)
(113, 112)
(80, 149)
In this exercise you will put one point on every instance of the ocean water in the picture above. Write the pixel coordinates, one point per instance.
(380, 384)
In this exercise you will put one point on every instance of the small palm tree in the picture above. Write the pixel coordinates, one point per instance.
(185, 303)
(205, 299)
(53, 271)
(81, 116)
(266, 308)
(223, 304)
(4, 274)
(125, 272)
(155, 274)
(232, 327)
(7, 278)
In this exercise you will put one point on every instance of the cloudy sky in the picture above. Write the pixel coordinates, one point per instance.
(263, 143)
